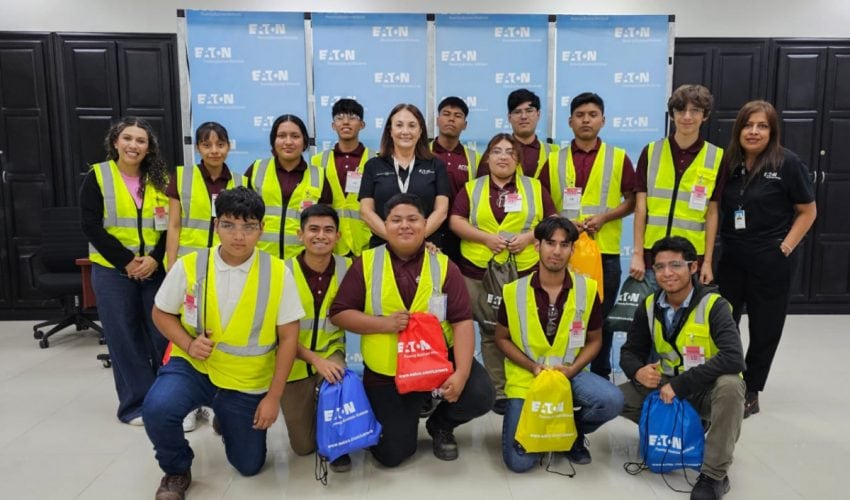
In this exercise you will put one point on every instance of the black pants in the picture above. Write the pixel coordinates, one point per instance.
(611, 274)
(757, 275)
(399, 414)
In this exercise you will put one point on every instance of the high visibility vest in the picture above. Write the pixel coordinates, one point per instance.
(473, 158)
(601, 194)
(354, 233)
(317, 334)
(121, 218)
(529, 335)
(695, 332)
(280, 235)
(383, 299)
(196, 205)
(481, 217)
(243, 358)
(667, 208)
(545, 150)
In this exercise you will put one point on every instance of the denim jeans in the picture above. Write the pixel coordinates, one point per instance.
(611, 274)
(178, 389)
(135, 345)
(599, 402)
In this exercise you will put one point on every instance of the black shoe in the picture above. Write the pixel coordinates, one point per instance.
(499, 406)
(751, 404)
(579, 454)
(710, 489)
(174, 486)
(216, 425)
(341, 464)
(445, 445)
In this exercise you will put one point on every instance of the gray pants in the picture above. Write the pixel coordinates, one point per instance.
(494, 359)
(722, 405)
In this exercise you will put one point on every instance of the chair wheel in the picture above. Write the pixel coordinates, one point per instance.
(37, 334)
(43, 343)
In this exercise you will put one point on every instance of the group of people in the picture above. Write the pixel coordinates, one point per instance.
(268, 270)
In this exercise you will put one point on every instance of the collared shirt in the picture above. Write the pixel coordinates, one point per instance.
(673, 316)
(456, 165)
(583, 162)
(347, 162)
(682, 159)
(289, 180)
(214, 186)
(317, 281)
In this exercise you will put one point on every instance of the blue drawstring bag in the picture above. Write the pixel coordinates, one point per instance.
(344, 421)
(671, 435)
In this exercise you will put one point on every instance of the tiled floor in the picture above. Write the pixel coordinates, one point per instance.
(59, 439)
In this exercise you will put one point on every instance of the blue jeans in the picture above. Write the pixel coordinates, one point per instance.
(599, 402)
(178, 389)
(611, 274)
(135, 345)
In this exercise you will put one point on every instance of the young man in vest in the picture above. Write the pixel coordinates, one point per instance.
(232, 315)
(677, 185)
(523, 115)
(494, 216)
(321, 344)
(404, 279)
(690, 328)
(552, 319)
(593, 185)
(343, 167)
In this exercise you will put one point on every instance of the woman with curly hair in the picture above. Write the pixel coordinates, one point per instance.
(124, 213)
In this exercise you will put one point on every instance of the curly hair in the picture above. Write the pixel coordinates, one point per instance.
(153, 168)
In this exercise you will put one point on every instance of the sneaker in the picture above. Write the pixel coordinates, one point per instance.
(579, 454)
(137, 421)
(341, 464)
(173, 487)
(190, 422)
(499, 406)
(710, 489)
(751, 404)
(216, 425)
(206, 413)
(445, 445)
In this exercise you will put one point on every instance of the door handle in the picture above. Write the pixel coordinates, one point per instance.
(822, 176)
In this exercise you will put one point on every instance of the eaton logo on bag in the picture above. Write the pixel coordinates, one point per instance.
(513, 78)
(632, 32)
(265, 29)
(216, 99)
(213, 52)
(392, 77)
(666, 441)
(512, 32)
(332, 55)
(390, 31)
(339, 413)
(459, 56)
(579, 56)
(547, 407)
(414, 346)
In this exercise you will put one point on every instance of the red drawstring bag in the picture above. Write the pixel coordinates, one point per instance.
(423, 357)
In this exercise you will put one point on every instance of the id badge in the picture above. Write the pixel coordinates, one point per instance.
(572, 198)
(190, 306)
(513, 202)
(307, 204)
(740, 219)
(698, 198)
(576, 335)
(352, 182)
(212, 203)
(437, 305)
(160, 219)
(694, 356)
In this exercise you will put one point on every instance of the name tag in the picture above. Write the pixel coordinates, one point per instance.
(740, 219)
(437, 305)
(160, 218)
(698, 198)
(694, 356)
(212, 203)
(577, 335)
(307, 204)
(513, 202)
(571, 198)
(352, 182)
(190, 306)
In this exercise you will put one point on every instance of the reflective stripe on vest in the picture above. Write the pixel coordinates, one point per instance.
(670, 356)
(354, 233)
(196, 231)
(566, 167)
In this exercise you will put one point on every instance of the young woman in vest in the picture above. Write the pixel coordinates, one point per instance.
(124, 217)
(288, 185)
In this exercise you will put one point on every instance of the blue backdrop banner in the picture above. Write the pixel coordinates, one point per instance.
(378, 59)
(246, 69)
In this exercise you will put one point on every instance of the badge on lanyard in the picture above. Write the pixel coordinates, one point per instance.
(513, 202)
(212, 203)
(577, 335)
(190, 306)
(698, 198)
(305, 204)
(160, 219)
(740, 219)
(571, 198)
(437, 305)
(352, 182)
(694, 356)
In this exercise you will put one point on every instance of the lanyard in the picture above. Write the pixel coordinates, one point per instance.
(402, 186)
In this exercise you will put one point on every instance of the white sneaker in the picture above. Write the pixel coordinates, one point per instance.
(190, 422)
(138, 422)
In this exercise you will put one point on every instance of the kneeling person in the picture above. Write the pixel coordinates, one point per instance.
(552, 318)
(406, 278)
(232, 315)
(691, 329)
(321, 344)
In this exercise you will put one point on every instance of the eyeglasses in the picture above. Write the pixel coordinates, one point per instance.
(524, 111)
(674, 265)
(230, 228)
(500, 152)
(346, 117)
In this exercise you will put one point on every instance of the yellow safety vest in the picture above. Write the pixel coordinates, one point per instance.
(481, 217)
(317, 334)
(121, 218)
(545, 150)
(601, 194)
(243, 358)
(695, 332)
(473, 158)
(667, 208)
(281, 238)
(383, 299)
(196, 204)
(528, 334)
(354, 233)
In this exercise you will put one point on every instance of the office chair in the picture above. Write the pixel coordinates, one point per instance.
(57, 274)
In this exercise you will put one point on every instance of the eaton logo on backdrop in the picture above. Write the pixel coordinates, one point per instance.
(511, 78)
(459, 56)
(232, 144)
(565, 101)
(512, 32)
(390, 31)
(263, 121)
(337, 55)
(473, 145)
(392, 77)
(213, 52)
(632, 32)
(627, 122)
(329, 100)
(270, 75)
(504, 125)
(265, 29)
(632, 77)
(379, 122)
(471, 101)
(216, 99)
(579, 56)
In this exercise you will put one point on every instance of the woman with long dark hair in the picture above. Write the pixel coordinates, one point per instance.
(124, 214)
(767, 206)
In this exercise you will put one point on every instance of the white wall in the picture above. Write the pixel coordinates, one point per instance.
(694, 18)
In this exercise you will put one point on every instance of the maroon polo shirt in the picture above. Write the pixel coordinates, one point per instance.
(214, 186)
(583, 162)
(456, 165)
(289, 180)
(347, 162)
(461, 207)
(541, 296)
(317, 281)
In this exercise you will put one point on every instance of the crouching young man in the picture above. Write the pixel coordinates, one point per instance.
(232, 315)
